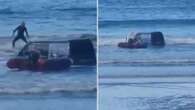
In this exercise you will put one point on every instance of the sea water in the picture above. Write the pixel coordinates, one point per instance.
(151, 78)
(71, 89)
(48, 17)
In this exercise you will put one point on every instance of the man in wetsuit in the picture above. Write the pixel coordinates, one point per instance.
(20, 33)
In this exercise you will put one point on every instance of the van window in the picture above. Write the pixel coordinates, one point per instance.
(41, 48)
(58, 50)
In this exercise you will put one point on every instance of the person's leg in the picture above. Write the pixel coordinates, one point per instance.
(14, 41)
(24, 39)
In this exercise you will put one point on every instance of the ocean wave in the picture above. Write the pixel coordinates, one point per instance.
(149, 7)
(183, 101)
(107, 23)
(6, 11)
(46, 90)
(93, 9)
(22, 6)
(110, 41)
(9, 11)
(145, 83)
(169, 40)
(180, 40)
(161, 7)
(151, 62)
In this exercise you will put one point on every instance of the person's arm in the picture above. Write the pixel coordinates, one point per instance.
(14, 31)
(26, 32)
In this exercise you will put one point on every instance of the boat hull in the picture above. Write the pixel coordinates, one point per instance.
(127, 45)
(40, 65)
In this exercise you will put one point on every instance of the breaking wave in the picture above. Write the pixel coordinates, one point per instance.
(170, 40)
(22, 6)
(47, 90)
(151, 62)
(170, 102)
(110, 23)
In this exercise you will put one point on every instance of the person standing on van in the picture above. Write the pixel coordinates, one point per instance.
(21, 29)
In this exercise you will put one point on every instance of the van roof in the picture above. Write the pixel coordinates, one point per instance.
(57, 41)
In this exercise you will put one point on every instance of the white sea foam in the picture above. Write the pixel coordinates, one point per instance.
(71, 88)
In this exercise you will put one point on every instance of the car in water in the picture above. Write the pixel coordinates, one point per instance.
(54, 55)
(143, 40)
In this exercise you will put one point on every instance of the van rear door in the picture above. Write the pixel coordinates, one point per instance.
(82, 52)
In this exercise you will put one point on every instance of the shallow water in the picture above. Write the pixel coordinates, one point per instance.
(48, 17)
(118, 17)
(147, 87)
(155, 96)
(46, 20)
(48, 90)
(151, 78)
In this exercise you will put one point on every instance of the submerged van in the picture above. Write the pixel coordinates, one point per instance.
(54, 55)
(143, 40)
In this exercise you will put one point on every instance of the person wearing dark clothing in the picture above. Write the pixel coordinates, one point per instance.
(33, 56)
(20, 33)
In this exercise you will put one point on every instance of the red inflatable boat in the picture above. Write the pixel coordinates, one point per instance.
(127, 45)
(40, 65)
